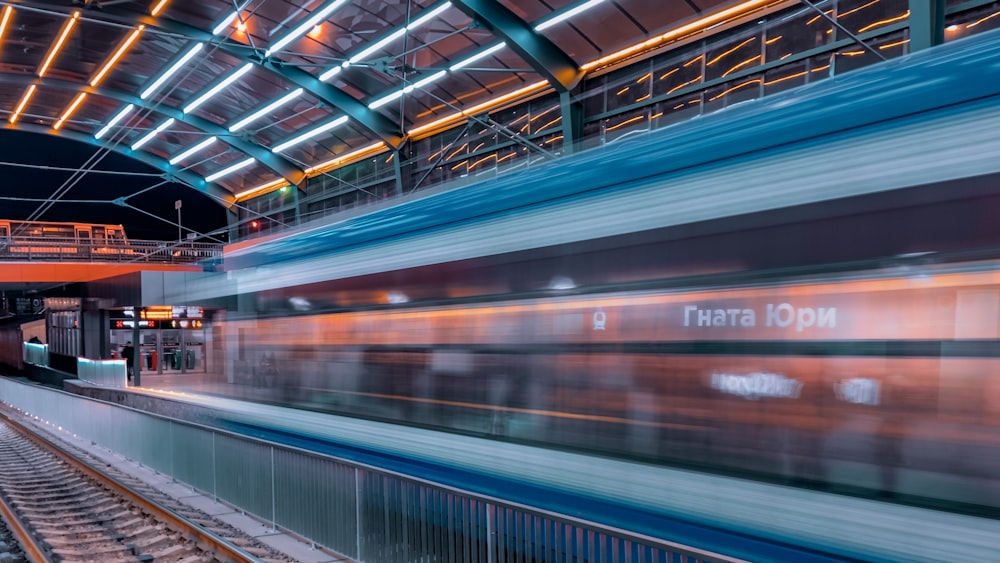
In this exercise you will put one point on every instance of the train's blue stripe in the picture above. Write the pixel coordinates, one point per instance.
(951, 74)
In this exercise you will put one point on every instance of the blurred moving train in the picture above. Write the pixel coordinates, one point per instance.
(804, 289)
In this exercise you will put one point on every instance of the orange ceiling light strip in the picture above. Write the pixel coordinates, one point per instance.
(69, 111)
(5, 19)
(698, 25)
(701, 24)
(24, 102)
(478, 108)
(344, 158)
(118, 54)
(158, 8)
(57, 46)
(259, 190)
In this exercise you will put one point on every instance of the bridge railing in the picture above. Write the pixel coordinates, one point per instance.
(44, 249)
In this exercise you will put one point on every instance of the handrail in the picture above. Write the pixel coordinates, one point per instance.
(50, 249)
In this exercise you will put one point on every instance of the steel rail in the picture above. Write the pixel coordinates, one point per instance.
(222, 549)
(32, 550)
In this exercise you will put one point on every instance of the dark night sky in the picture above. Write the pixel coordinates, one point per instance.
(198, 211)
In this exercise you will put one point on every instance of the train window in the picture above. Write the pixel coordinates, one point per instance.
(83, 235)
(4, 231)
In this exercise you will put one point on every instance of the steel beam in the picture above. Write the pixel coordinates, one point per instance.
(544, 56)
(181, 176)
(276, 163)
(380, 125)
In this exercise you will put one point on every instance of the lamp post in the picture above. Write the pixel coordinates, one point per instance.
(177, 206)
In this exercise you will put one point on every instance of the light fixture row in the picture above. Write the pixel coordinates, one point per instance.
(303, 28)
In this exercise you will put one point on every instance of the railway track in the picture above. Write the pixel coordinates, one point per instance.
(61, 508)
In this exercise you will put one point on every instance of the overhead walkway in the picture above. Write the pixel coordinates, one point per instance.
(27, 260)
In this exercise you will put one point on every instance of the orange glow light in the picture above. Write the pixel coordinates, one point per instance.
(318, 169)
(118, 54)
(725, 54)
(886, 21)
(480, 107)
(156, 9)
(270, 186)
(700, 24)
(241, 26)
(57, 46)
(24, 101)
(69, 111)
(7, 13)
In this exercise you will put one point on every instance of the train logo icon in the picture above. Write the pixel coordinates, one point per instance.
(600, 318)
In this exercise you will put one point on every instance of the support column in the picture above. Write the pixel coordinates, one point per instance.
(572, 121)
(398, 170)
(926, 24)
(136, 348)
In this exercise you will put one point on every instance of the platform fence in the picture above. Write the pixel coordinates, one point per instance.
(357, 510)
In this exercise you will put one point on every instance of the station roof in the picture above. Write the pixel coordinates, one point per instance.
(234, 96)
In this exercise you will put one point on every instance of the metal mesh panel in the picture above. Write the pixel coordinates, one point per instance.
(404, 521)
(317, 498)
(244, 475)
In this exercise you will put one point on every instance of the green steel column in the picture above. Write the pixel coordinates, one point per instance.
(572, 121)
(926, 24)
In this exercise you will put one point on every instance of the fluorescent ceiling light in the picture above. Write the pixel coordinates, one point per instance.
(385, 99)
(171, 71)
(218, 88)
(374, 47)
(265, 110)
(69, 111)
(222, 25)
(478, 56)
(331, 73)
(418, 84)
(567, 14)
(428, 16)
(57, 46)
(304, 27)
(8, 11)
(425, 81)
(279, 183)
(225, 23)
(118, 54)
(114, 121)
(229, 170)
(202, 145)
(344, 158)
(156, 9)
(149, 136)
(24, 101)
(310, 134)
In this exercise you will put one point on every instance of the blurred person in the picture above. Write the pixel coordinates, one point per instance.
(128, 352)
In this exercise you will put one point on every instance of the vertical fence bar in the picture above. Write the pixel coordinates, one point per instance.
(357, 513)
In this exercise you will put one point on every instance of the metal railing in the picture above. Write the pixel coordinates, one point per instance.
(44, 249)
(36, 354)
(366, 513)
(109, 373)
